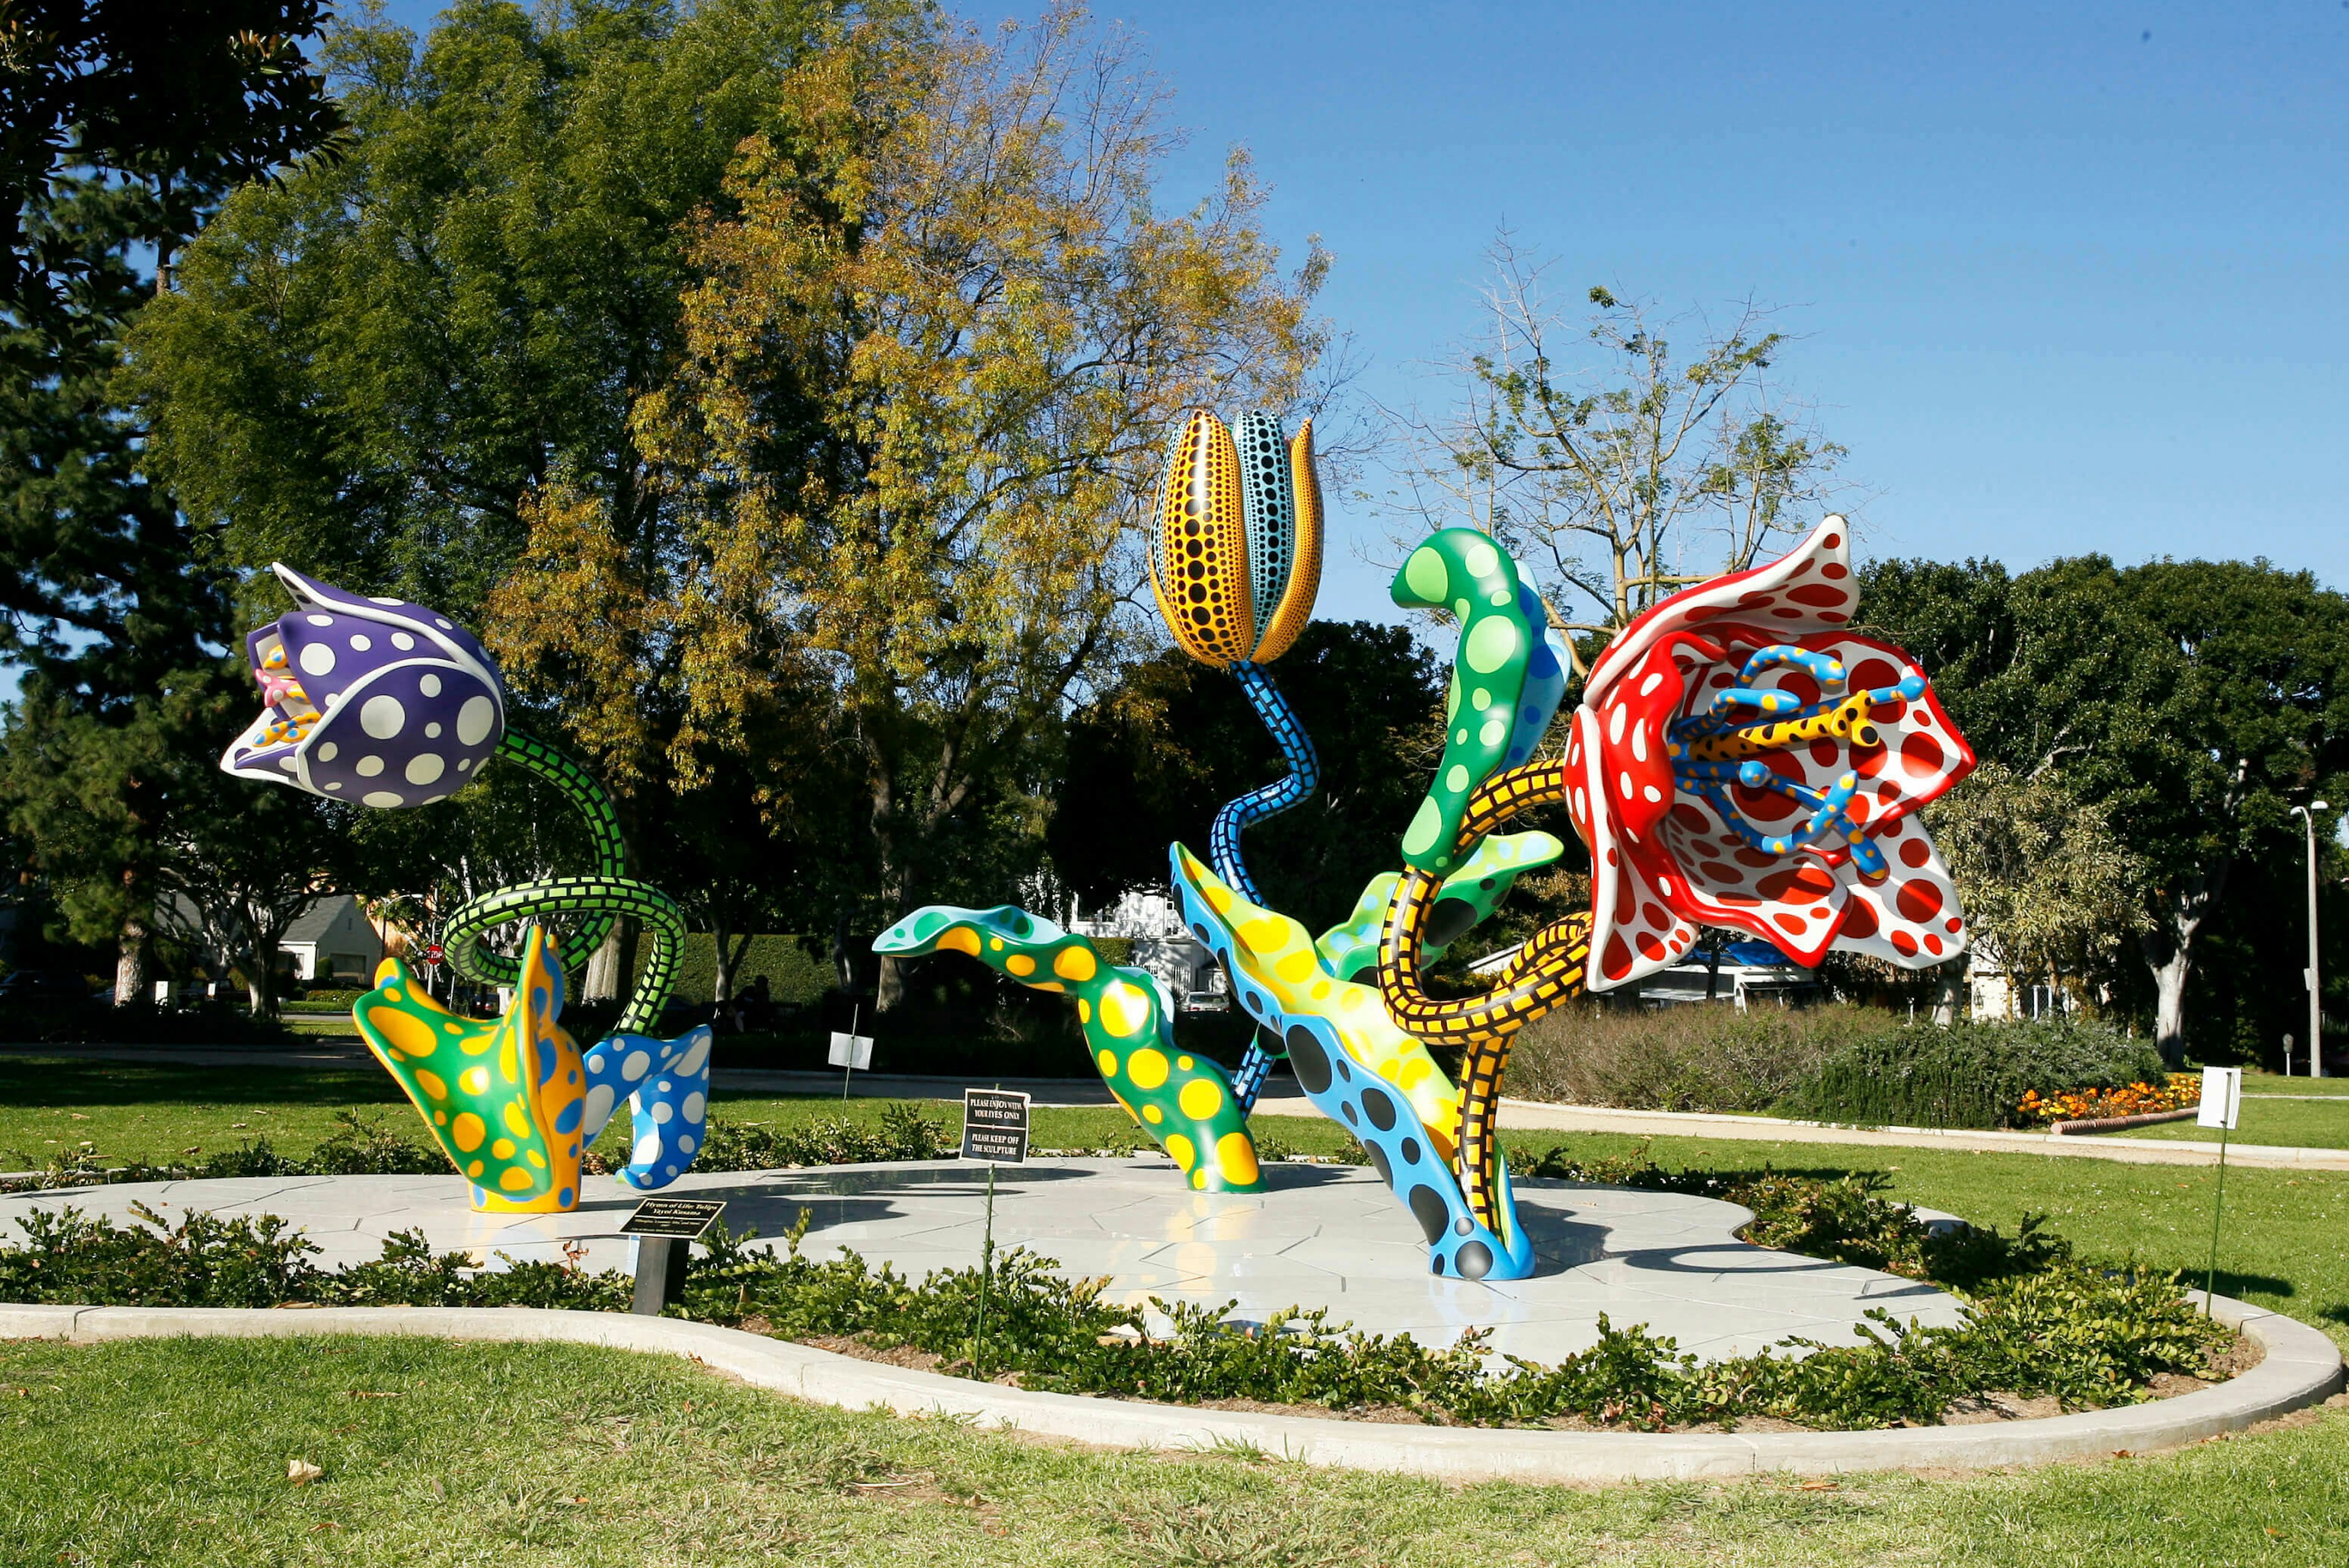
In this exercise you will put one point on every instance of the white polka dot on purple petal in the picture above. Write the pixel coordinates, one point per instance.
(383, 717)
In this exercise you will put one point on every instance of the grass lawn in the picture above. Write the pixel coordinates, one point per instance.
(2312, 1123)
(175, 1453)
(170, 1453)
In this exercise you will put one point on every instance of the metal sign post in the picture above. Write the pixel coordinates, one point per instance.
(666, 1229)
(995, 1129)
(851, 1053)
(2222, 1098)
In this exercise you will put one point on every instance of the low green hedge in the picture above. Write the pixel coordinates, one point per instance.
(1838, 1063)
(140, 1023)
(1967, 1075)
(794, 976)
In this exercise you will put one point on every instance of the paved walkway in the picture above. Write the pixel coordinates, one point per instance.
(1531, 1115)
(1321, 1236)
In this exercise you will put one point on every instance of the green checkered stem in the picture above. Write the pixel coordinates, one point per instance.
(582, 908)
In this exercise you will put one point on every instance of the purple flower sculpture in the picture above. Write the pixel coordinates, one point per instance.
(374, 700)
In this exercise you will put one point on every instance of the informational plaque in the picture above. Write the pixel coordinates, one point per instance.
(995, 1126)
(684, 1218)
(2222, 1096)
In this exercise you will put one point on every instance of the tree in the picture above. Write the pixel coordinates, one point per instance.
(1621, 474)
(2192, 702)
(139, 835)
(1152, 761)
(385, 369)
(929, 367)
(368, 367)
(122, 126)
(178, 101)
(2049, 889)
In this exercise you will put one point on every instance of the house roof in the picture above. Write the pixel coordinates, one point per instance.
(311, 924)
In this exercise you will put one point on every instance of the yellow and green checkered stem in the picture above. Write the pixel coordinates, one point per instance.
(1543, 974)
(586, 906)
(1183, 1101)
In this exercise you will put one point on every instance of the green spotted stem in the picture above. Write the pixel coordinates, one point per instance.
(586, 907)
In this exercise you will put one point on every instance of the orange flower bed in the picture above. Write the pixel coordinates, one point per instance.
(2182, 1090)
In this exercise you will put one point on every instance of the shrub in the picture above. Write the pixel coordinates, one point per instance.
(1968, 1074)
(1710, 1058)
(321, 1002)
(1829, 1063)
(138, 1024)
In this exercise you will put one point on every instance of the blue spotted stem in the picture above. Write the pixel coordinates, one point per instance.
(1224, 838)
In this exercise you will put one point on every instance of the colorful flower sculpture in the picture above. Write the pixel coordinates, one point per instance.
(373, 701)
(1185, 1102)
(1738, 759)
(387, 704)
(513, 1102)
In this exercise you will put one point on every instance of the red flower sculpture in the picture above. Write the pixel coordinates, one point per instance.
(1739, 760)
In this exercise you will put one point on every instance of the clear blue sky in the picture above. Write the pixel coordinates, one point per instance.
(2071, 277)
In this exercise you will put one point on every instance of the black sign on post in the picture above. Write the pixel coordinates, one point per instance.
(686, 1217)
(995, 1126)
(666, 1229)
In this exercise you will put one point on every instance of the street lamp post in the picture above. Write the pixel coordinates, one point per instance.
(2315, 1001)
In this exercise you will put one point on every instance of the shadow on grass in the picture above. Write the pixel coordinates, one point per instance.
(64, 1083)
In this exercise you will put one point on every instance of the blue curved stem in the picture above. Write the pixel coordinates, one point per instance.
(1224, 838)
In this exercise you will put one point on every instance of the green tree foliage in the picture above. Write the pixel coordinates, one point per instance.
(931, 365)
(2049, 889)
(371, 368)
(367, 367)
(122, 126)
(1153, 759)
(176, 101)
(2192, 703)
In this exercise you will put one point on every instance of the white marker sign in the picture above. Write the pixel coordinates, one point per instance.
(852, 1051)
(2222, 1096)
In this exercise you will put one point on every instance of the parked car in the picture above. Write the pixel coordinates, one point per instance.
(33, 985)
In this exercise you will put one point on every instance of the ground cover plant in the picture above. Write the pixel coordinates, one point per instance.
(2174, 1092)
(174, 1454)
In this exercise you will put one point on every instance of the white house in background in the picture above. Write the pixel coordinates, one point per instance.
(1994, 995)
(1162, 945)
(331, 940)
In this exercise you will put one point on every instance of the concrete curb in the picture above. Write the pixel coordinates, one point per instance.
(2301, 1367)
(1546, 1115)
